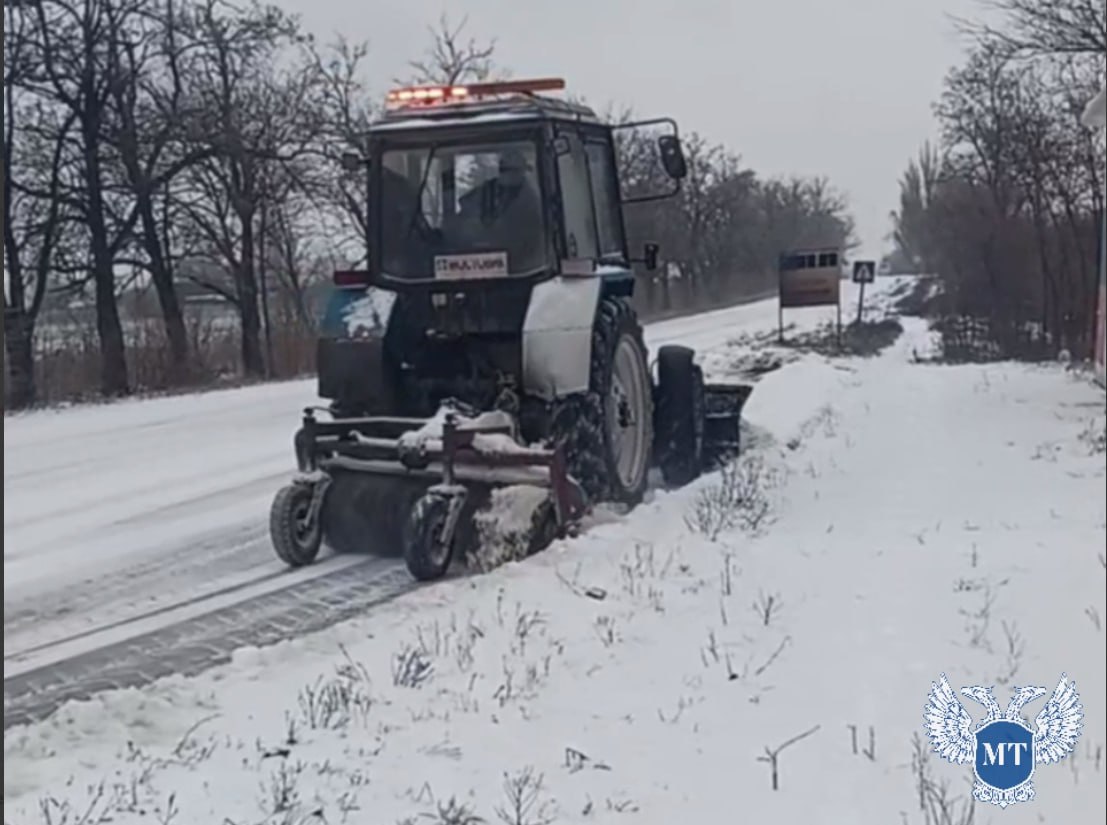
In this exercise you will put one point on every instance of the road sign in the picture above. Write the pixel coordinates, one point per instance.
(810, 278)
(864, 272)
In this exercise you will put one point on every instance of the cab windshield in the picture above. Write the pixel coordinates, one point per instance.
(461, 211)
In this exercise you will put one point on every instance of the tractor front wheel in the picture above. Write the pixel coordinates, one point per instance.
(428, 539)
(293, 527)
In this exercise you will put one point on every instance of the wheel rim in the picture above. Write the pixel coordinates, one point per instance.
(438, 553)
(301, 521)
(628, 414)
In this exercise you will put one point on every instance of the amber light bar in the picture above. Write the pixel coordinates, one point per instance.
(433, 95)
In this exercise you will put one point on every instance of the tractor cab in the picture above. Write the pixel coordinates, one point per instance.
(493, 181)
(483, 201)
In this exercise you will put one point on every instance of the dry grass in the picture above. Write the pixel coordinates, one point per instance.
(67, 359)
(67, 354)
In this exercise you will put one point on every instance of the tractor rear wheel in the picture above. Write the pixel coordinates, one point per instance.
(607, 432)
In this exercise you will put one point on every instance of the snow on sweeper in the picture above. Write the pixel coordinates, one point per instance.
(491, 343)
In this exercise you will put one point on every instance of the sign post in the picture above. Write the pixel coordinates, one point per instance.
(808, 279)
(864, 272)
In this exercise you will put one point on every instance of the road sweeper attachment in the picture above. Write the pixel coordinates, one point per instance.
(381, 484)
(491, 350)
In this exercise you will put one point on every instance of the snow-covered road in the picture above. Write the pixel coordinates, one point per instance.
(121, 520)
(122, 517)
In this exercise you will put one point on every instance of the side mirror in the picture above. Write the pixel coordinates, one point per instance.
(672, 157)
(650, 257)
(351, 161)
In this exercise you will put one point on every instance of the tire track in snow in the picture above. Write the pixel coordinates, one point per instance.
(234, 407)
(113, 596)
(194, 645)
(180, 493)
(226, 592)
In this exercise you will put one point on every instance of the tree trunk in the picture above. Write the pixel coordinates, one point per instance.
(162, 277)
(253, 363)
(1101, 250)
(21, 390)
(113, 355)
(263, 259)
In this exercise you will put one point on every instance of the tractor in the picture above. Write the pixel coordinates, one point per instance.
(489, 346)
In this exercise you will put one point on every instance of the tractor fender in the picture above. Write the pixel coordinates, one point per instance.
(350, 351)
(557, 336)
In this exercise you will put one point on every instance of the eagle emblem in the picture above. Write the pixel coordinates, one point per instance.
(1003, 747)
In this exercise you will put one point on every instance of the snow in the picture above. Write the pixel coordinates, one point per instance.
(772, 406)
(512, 507)
(429, 436)
(506, 525)
(924, 520)
(114, 510)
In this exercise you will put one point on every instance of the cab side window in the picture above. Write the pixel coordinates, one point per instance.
(605, 200)
(576, 198)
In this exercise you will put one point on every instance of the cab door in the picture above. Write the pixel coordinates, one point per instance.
(591, 214)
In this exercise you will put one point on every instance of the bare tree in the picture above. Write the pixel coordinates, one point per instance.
(79, 44)
(451, 58)
(912, 233)
(1012, 221)
(291, 254)
(1035, 28)
(721, 237)
(199, 142)
(347, 114)
(35, 138)
(260, 121)
(147, 127)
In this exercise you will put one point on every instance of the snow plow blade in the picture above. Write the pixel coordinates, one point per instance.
(722, 415)
(412, 487)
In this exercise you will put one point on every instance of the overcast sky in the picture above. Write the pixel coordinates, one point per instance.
(840, 88)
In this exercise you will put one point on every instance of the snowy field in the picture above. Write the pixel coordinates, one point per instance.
(898, 521)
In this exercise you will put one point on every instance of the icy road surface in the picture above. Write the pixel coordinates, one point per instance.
(921, 520)
(127, 519)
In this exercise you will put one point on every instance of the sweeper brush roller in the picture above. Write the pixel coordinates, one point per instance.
(412, 487)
